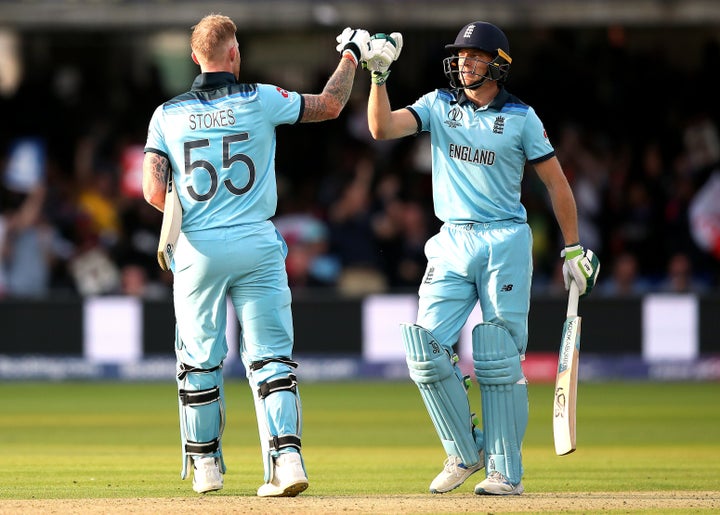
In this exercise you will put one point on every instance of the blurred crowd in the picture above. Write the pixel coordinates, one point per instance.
(637, 136)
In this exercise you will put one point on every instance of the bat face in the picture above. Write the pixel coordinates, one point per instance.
(566, 387)
(570, 342)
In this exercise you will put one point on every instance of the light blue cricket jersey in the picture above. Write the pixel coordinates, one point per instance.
(220, 140)
(479, 154)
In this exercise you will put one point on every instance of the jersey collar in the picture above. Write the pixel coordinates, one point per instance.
(496, 103)
(213, 80)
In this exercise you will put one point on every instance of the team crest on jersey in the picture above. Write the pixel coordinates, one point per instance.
(499, 125)
(455, 115)
(283, 92)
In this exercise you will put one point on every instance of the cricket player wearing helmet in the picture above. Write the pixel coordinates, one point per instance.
(218, 141)
(481, 138)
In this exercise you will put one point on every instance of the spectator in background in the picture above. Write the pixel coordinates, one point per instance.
(99, 204)
(676, 219)
(352, 238)
(648, 173)
(138, 243)
(308, 263)
(680, 277)
(134, 281)
(624, 280)
(705, 216)
(94, 266)
(402, 230)
(29, 244)
(586, 170)
(25, 244)
(654, 176)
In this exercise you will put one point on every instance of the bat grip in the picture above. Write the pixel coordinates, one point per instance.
(573, 297)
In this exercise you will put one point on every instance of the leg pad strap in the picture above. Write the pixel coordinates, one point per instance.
(199, 397)
(278, 385)
(201, 448)
(284, 442)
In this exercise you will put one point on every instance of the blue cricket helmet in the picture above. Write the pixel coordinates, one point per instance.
(480, 35)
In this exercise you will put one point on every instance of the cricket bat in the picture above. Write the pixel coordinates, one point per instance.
(566, 380)
(170, 229)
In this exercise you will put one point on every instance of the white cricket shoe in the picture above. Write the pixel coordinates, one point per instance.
(288, 479)
(497, 484)
(454, 474)
(206, 476)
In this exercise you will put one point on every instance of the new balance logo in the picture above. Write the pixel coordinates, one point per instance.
(506, 287)
(429, 275)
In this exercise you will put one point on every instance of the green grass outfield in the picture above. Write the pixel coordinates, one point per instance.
(120, 440)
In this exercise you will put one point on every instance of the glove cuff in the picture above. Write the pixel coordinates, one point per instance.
(350, 55)
(354, 51)
(572, 251)
(379, 78)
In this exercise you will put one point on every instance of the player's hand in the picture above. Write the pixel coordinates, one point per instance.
(384, 49)
(581, 266)
(354, 41)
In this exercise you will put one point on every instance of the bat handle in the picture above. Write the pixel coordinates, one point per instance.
(573, 297)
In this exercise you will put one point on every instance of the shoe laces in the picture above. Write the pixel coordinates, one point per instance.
(452, 463)
(497, 477)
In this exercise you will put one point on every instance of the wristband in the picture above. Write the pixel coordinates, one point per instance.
(348, 54)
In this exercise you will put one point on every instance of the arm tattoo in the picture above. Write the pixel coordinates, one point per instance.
(160, 167)
(334, 96)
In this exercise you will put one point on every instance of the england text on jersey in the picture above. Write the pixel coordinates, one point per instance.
(471, 155)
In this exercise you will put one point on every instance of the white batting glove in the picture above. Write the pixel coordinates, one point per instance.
(581, 266)
(384, 50)
(355, 42)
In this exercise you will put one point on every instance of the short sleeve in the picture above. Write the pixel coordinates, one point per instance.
(155, 138)
(422, 110)
(282, 106)
(535, 139)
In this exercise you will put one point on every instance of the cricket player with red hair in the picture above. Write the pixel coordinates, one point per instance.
(218, 142)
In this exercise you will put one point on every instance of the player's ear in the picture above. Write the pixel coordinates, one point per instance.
(195, 59)
(234, 53)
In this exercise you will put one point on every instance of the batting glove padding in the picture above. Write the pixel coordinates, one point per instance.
(383, 50)
(581, 266)
(354, 41)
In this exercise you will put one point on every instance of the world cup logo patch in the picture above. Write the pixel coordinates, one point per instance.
(455, 115)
